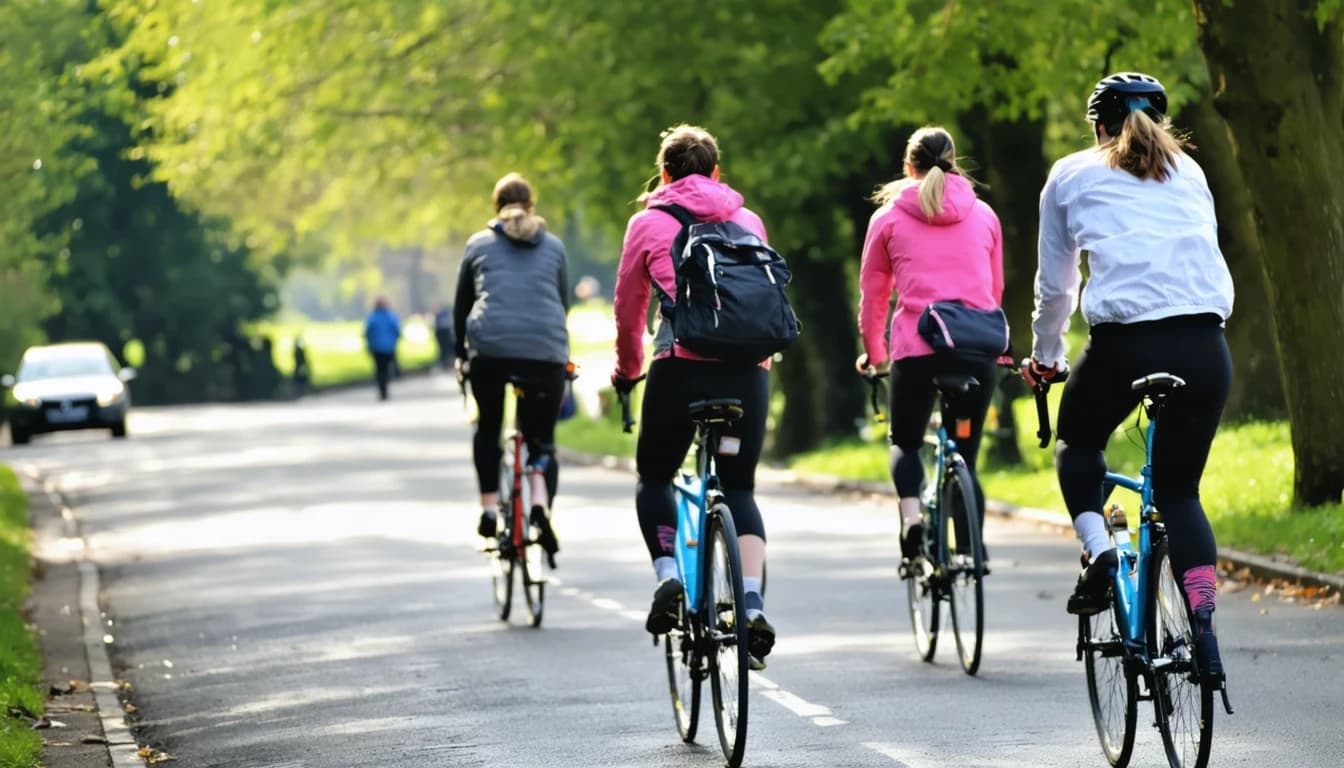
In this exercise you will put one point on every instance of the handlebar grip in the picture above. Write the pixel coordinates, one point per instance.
(1042, 414)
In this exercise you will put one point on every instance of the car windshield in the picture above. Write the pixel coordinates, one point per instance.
(61, 367)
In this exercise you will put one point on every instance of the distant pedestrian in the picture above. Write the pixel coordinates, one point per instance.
(382, 331)
(301, 372)
(444, 335)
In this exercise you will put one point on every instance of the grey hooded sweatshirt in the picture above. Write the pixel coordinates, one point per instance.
(513, 292)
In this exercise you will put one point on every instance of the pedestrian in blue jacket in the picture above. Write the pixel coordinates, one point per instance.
(382, 331)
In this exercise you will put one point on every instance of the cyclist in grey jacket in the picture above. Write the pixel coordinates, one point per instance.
(509, 318)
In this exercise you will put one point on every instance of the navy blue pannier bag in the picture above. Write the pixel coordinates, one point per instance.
(953, 326)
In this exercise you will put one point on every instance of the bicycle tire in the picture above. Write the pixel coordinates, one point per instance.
(534, 582)
(1104, 661)
(505, 560)
(963, 564)
(924, 596)
(1182, 699)
(725, 626)
(685, 673)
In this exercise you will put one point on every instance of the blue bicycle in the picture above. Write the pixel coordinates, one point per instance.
(1142, 649)
(950, 567)
(710, 638)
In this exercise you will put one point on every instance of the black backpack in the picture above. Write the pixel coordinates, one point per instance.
(730, 303)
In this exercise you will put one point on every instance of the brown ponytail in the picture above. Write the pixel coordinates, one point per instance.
(1146, 148)
(931, 151)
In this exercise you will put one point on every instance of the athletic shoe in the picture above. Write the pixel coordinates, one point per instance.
(666, 609)
(760, 635)
(1208, 658)
(913, 541)
(486, 528)
(545, 534)
(1091, 595)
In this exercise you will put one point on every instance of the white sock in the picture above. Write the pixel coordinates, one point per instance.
(489, 513)
(911, 512)
(1091, 530)
(665, 568)
(751, 584)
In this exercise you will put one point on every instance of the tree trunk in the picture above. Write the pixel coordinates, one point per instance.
(1257, 387)
(1014, 168)
(1279, 82)
(822, 395)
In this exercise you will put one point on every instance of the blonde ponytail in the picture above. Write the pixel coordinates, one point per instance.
(1146, 148)
(931, 192)
(930, 152)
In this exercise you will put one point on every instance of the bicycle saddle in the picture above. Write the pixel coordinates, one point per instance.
(719, 411)
(1157, 383)
(956, 384)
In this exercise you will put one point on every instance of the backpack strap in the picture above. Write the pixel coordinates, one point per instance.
(668, 303)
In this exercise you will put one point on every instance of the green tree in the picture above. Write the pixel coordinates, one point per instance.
(1279, 74)
(37, 172)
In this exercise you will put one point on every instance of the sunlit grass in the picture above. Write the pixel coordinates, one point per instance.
(20, 663)
(1247, 486)
(336, 353)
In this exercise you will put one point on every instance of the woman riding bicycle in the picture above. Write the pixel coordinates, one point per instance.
(931, 240)
(1157, 294)
(509, 318)
(688, 171)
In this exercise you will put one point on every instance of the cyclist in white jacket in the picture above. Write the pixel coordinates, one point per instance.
(1157, 295)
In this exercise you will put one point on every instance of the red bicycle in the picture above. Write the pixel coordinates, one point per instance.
(518, 555)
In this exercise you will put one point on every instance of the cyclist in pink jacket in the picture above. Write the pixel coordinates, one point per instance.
(688, 167)
(930, 240)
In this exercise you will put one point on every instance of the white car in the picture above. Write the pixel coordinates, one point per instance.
(67, 386)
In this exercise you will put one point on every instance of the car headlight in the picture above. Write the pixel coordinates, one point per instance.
(20, 393)
(110, 396)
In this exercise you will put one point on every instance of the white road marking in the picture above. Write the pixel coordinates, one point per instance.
(892, 751)
(607, 603)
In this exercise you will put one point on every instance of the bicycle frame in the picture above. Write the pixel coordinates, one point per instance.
(696, 496)
(518, 446)
(1131, 577)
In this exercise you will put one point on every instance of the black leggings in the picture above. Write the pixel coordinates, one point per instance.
(666, 432)
(544, 389)
(1097, 397)
(911, 404)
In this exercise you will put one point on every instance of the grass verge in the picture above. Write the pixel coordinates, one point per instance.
(336, 353)
(20, 662)
(1246, 490)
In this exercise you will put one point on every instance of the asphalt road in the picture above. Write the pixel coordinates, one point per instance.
(298, 585)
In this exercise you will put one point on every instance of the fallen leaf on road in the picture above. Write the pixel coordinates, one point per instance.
(152, 756)
(92, 739)
(42, 723)
(130, 708)
(46, 743)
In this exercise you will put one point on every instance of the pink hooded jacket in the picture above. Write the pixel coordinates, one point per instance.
(646, 255)
(957, 255)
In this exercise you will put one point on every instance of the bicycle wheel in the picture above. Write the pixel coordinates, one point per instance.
(501, 579)
(1113, 692)
(924, 595)
(534, 577)
(964, 566)
(685, 672)
(1184, 701)
(726, 635)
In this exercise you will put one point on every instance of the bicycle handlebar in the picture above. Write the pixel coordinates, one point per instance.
(874, 380)
(627, 421)
(1039, 390)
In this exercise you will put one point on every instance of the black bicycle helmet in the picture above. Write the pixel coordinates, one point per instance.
(1119, 94)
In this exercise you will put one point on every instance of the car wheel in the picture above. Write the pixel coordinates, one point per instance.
(119, 429)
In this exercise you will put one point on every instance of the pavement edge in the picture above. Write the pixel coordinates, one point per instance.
(82, 690)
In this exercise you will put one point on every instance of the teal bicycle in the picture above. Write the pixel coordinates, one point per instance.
(950, 568)
(709, 641)
(1142, 649)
